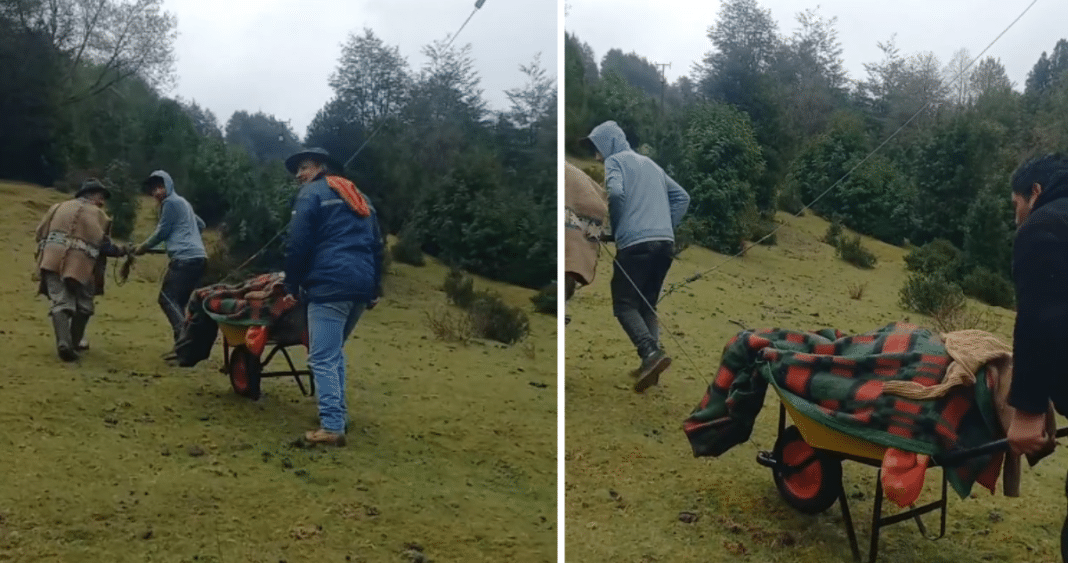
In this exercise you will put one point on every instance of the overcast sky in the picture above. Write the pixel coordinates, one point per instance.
(676, 31)
(276, 56)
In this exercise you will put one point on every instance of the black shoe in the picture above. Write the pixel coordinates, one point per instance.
(652, 366)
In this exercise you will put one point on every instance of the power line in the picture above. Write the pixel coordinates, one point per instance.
(478, 4)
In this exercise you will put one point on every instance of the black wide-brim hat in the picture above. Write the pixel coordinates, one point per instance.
(93, 185)
(314, 153)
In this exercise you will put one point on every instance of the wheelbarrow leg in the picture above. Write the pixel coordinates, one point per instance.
(849, 525)
(876, 517)
(941, 504)
(225, 369)
(296, 375)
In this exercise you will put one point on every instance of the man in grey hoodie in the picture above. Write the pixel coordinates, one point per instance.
(179, 229)
(645, 207)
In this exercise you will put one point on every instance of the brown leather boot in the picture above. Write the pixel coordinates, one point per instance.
(321, 436)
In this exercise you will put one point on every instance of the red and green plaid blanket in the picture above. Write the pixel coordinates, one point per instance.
(258, 301)
(837, 380)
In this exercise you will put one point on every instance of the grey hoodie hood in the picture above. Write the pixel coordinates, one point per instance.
(609, 139)
(167, 181)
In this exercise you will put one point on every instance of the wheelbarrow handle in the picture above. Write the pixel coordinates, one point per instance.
(956, 457)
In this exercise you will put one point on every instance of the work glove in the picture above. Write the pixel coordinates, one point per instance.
(139, 250)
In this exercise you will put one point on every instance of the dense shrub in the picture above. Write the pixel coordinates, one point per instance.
(990, 288)
(873, 199)
(407, 249)
(834, 230)
(545, 300)
(931, 295)
(459, 289)
(720, 168)
(789, 200)
(471, 220)
(494, 319)
(936, 256)
(488, 316)
(851, 250)
(764, 228)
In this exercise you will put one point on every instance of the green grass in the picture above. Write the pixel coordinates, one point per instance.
(630, 470)
(450, 446)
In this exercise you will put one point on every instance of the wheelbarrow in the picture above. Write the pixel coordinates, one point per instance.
(806, 464)
(245, 366)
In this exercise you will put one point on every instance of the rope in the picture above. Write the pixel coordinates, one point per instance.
(671, 289)
(383, 122)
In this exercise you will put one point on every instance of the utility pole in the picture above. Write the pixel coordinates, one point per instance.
(663, 83)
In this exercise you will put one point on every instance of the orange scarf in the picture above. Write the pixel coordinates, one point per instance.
(348, 192)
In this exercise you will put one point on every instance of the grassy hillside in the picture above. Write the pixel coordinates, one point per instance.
(630, 470)
(122, 458)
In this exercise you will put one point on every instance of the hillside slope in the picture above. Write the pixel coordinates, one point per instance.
(631, 472)
(122, 458)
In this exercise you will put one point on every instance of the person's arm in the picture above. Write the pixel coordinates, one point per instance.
(613, 180)
(1040, 272)
(167, 218)
(300, 245)
(201, 225)
(109, 248)
(679, 201)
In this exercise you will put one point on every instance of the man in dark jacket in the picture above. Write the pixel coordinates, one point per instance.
(1040, 272)
(334, 263)
(645, 207)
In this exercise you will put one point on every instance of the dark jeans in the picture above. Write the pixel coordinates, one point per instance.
(179, 283)
(637, 278)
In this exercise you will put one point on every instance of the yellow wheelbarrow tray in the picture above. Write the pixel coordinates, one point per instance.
(806, 465)
(245, 369)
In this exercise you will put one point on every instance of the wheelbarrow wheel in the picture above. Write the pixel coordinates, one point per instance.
(809, 480)
(244, 372)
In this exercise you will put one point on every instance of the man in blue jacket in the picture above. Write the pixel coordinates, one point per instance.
(645, 206)
(179, 228)
(333, 262)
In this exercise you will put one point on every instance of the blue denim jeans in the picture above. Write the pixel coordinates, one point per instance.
(329, 326)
